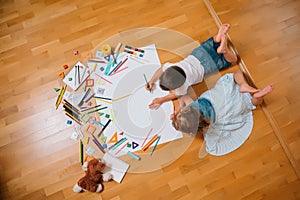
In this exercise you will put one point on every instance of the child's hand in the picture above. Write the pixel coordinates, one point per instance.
(150, 86)
(156, 103)
(172, 116)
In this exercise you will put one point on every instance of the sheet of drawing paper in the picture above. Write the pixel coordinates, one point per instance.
(131, 115)
(115, 166)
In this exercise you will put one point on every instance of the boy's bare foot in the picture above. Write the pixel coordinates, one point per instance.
(247, 88)
(268, 89)
(223, 46)
(222, 31)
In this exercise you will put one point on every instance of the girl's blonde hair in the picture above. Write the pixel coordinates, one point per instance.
(190, 120)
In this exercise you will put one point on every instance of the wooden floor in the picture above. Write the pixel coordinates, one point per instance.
(38, 160)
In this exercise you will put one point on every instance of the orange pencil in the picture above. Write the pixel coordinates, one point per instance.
(150, 142)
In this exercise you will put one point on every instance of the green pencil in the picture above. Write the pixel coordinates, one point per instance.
(148, 85)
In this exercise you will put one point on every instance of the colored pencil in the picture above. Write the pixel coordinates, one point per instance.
(118, 66)
(76, 120)
(97, 143)
(120, 70)
(113, 147)
(133, 155)
(82, 76)
(121, 148)
(150, 142)
(97, 110)
(105, 98)
(78, 69)
(60, 96)
(66, 106)
(75, 77)
(103, 78)
(105, 101)
(71, 112)
(122, 97)
(95, 65)
(96, 60)
(89, 98)
(107, 123)
(81, 152)
(90, 108)
(71, 106)
(84, 96)
(148, 85)
(147, 136)
(98, 123)
(155, 146)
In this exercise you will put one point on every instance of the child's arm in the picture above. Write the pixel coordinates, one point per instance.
(186, 100)
(154, 78)
(155, 104)
(182, 101)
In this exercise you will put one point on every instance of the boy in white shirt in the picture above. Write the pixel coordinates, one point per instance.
(212, 55)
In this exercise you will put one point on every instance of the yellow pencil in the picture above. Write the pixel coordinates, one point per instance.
(60, 96)
(122, 97)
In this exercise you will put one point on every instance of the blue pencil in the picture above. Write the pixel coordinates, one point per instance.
(133, 155)
(155, 146)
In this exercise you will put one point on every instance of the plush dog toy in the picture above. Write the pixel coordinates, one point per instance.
(92, 181)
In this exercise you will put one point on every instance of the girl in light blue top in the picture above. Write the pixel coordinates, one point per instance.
(223, 113)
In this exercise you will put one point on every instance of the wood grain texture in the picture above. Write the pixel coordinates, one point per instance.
(38, 160)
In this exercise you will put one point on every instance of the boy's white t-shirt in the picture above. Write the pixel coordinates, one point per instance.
(192, 68)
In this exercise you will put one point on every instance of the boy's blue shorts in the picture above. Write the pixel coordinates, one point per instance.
(207, 54)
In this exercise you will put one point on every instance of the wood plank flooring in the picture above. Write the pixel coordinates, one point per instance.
(38, 160)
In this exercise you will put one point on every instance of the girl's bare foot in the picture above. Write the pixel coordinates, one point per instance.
(222, 31)
(247, 88)
(223, 46)
(268, 89)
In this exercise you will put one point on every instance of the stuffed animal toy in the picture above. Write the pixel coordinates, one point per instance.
(92, 181)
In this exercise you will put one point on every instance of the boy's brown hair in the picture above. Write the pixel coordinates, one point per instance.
(172, 78)
(190, 120)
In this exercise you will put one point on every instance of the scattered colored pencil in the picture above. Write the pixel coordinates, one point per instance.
(122, 97)
(148, 85)
(121, 148)
(103, 78)
(155, 146)
(96, 110)
(133, 155)
(150, 142)
(60, 96)
(107, 123)
(81, 152)
(113, 147)
(90, 108)
(147, 136)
